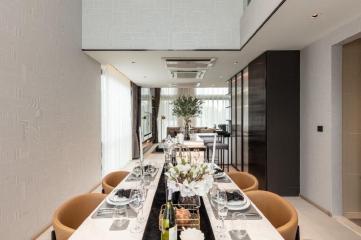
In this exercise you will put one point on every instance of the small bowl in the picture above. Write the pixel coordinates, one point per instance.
(191, 234)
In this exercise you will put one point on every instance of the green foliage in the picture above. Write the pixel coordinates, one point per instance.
(187, 107)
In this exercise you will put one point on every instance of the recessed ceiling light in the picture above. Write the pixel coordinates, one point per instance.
(235, 62)
(315, 15)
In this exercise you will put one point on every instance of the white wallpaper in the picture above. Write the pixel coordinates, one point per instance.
(161, 24)
(49, 113)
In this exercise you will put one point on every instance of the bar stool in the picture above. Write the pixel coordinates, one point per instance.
(220, 149)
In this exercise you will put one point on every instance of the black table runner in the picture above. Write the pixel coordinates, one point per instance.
(152, 231)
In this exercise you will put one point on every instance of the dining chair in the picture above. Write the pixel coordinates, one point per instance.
(111, 180)
(69, 216)
(282, 215)
(245, 181)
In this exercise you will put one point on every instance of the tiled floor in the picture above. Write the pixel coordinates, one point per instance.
(315, 225)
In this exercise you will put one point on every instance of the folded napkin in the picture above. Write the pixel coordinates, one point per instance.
(123, 193)
(234, 196)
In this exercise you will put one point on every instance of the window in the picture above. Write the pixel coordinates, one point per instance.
(215, 105)
(165, 116)
(146, 113)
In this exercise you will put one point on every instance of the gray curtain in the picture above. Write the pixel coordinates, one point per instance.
(155, 110)
(135, 120)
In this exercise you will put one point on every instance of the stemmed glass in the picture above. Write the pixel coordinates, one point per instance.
(196, 155)
(137, 198)
(222, 210)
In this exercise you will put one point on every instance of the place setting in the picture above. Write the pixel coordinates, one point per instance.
(236, 202)
(220, 176)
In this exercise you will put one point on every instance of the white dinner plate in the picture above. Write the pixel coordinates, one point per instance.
(244, 206)
(117, 201)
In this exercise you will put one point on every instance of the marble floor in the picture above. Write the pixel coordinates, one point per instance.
(316, 225)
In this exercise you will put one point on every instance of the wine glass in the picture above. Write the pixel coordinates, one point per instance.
(196, 155)
(137, 199)
(222, 210)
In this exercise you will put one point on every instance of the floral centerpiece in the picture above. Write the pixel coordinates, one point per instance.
(189, 179)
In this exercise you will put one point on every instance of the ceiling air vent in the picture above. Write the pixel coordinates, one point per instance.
(188, 74)
(188, 68)
(189, 63)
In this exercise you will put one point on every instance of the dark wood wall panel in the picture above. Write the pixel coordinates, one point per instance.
(274, 121)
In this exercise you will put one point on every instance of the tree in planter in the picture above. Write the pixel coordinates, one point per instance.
(187, 107)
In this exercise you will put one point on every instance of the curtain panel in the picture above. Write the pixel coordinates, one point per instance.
(136, 104)
(155, 106)
(115, 120)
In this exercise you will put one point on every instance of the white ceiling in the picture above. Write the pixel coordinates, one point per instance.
(290, 28)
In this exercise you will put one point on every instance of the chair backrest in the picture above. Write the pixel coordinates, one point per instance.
(173, 131)
(69, 216)
(245, 181)
(111, 180)
(282, 215)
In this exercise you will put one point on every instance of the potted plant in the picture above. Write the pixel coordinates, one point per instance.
(187, 107)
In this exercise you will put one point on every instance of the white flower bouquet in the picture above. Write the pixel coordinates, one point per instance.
(189, 179)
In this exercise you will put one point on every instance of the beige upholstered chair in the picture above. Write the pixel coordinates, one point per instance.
(245, 181)
(111, 180)
(278, 211)
(71, 214)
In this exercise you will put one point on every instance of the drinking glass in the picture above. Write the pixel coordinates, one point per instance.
(222, 210)
(137, 199)
(239, 227)
(120, 213)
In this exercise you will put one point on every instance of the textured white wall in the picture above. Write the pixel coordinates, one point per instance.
(161, 24)
(255, 14)
(49, 113)
(321, 158)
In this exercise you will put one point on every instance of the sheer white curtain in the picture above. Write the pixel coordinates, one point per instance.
(116, 120)
(214, 109)
(167, 95)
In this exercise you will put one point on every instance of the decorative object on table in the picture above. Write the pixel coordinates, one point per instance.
(239, 235)
(187, 216)
(167, 222)
(120, 221)
(189, 179)
(191, 234)
(187, 107)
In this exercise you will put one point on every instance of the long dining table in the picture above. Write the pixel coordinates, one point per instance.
(99, 228)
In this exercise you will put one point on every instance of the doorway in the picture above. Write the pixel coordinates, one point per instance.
(351, 131)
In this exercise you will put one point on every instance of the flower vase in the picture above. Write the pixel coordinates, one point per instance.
(186, 131)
